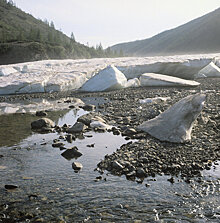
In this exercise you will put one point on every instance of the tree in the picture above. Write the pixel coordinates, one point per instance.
(46, 22)
(72, 37)
(50, 37)
(52, 25)
(21, 36)
(39, 35)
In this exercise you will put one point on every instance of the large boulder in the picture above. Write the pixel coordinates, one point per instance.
(211, 70)
(152, 79)
(90, 117)
(106, 80)
(175, 124)
(42, 123)
(78, 127)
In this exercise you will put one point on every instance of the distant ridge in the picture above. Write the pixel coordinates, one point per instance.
(201, 35)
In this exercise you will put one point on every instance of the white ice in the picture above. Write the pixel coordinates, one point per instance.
(211, 70)
(62, 75)
(38, 105)
(108, 79)
(154, 100)
(152, 79)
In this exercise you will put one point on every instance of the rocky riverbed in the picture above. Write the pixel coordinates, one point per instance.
(144, 157)
(148, 156)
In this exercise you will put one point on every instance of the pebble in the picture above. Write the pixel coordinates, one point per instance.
(57, 144)
(10, 187)
(77, 166)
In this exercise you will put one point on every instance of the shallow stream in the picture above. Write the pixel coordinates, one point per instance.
(50, 191)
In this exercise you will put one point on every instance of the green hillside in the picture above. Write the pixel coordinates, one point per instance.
(201, 35)
(25, 38)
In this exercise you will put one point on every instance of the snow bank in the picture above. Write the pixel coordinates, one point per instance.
(106, 80)
(151, 79)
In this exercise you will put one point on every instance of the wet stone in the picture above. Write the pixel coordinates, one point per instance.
(77, 128)
(89, 107)
(70, 138)
(41, 113)
(42, 123)
(57, 144)
(116, 165)
(10, 187)
(77, 166)
(71, 153)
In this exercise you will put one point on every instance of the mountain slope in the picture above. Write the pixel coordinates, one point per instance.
(25, 38)
(201, 35)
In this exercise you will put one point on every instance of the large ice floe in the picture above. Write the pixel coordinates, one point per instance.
(108, 79)
(176, 123)
(152, 79)
(64, 75)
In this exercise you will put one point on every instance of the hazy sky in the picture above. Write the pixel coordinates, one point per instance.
(114, 21)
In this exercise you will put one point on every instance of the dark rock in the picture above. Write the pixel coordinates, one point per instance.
(88, 107)
(171, 180)
(129, 132)
(41, 113)
(1, 156)
(116, 132)
(88, 118)
(70, 138)
(77, 128)
(46, 130)
(32, 196)
(62, 148)
(71, 153)
(58, 129)
(10, 187)
(77, 166)
(116, 165)
(91, 145)
(80, 136)
(58, 144)
(42, 123)
(140, 173)
(131, 175)
(62, 137)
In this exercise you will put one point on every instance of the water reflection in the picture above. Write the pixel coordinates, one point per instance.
(16, 127)
(38, 104)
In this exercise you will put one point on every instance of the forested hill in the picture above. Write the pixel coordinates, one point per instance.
(24, 38)
(201, 35)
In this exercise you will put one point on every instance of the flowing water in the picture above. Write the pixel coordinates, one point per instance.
(50, 190)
